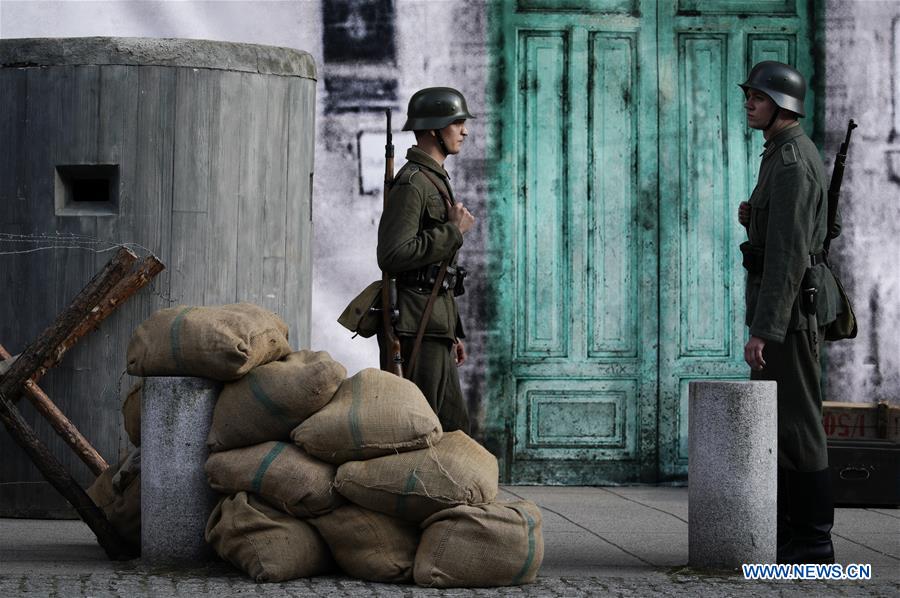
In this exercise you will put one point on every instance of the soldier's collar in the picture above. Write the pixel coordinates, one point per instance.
(416, 155)
(783, 137)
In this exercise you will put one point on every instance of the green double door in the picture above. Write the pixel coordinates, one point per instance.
(620, 154)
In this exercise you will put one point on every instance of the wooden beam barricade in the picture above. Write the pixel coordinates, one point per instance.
(63, 426)
(12, 385)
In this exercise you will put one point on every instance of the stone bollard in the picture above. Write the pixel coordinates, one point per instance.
(176, 499)
(732, 473)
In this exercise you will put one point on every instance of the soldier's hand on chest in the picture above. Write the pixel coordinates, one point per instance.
(461, 217)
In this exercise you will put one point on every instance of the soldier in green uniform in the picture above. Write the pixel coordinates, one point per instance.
(791, 295)
(422, 226)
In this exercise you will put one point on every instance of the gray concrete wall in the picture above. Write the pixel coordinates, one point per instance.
(863, 82)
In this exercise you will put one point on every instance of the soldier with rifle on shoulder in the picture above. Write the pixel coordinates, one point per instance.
(793, 302)
(419, 236)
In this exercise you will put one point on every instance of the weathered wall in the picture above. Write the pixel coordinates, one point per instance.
(863, 82)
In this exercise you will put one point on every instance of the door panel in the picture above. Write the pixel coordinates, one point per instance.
(542, 313)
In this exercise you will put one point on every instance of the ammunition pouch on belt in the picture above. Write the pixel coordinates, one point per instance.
(754, 258)
(423, 279)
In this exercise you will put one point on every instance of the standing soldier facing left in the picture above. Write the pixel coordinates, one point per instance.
(791, 295)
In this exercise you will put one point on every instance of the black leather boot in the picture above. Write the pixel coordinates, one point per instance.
(812, 517)
(783, 516)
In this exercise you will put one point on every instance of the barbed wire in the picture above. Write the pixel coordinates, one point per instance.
(18, 243)
(25, 243)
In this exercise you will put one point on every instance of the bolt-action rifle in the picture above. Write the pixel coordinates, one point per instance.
(837, 177)
(392, 360)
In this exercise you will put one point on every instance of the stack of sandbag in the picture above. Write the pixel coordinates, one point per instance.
(365, 463)
(316, 469)
(270, 486)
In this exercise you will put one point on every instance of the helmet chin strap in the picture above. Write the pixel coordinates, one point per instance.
(441, 144)
(772, 120)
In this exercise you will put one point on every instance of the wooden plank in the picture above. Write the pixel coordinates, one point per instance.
(117, 144)
(193, 89)
(275, 209)
(298, 231)
(13, 87)
(228, 114)
(254, 168)
(188, 262)
(150, 214)
(28, 310)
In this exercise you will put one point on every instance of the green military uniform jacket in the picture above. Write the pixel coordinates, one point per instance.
(788, 223)
(414, 232)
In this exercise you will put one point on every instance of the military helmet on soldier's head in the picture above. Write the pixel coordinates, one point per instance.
(435, 108)
(781, 82)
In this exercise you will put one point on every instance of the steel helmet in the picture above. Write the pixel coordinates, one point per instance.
(435, 108)
(781, 82)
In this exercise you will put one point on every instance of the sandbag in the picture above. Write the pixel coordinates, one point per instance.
(498, 544)
(265, 543)
(131, 413)
(369, 545)
(374, 413)
(117, 491)
(221, 343)
(271, 400)
(416, 484)
(278, 472)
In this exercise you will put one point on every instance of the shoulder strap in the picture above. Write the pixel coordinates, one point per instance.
(439, 188)
(439, 280)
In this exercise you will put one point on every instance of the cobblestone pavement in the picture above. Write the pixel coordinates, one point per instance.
(220, 581)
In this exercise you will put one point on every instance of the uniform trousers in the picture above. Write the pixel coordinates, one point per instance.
(437, 377)
(795, 367)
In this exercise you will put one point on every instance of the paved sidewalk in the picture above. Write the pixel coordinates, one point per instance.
(621, 541)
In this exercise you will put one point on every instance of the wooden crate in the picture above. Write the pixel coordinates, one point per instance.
(861, 421)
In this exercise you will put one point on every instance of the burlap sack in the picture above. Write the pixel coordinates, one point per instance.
(131, 412)
(370, 545)
(279, 472)
(414, 485)
(498, 544)
(265, 543)
(117, 491)
(374, 413)
(270, 401)
(221, 343)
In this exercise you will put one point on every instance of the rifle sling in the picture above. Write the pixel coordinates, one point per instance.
(439, 280)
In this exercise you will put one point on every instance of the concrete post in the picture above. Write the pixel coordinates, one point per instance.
(732, 475)
(176, 499)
